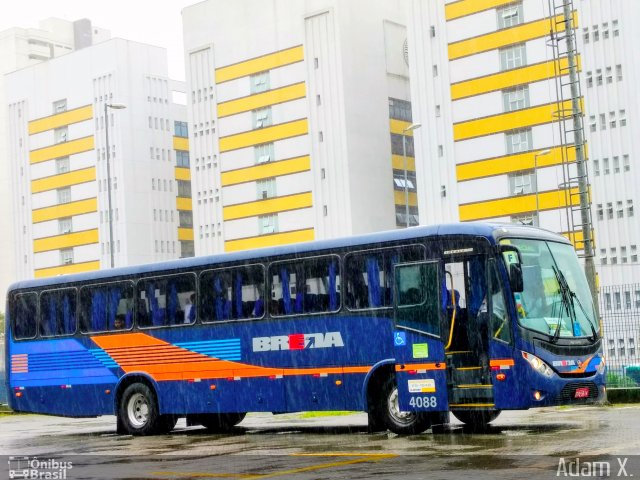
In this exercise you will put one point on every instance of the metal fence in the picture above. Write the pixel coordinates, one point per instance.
(620, 312)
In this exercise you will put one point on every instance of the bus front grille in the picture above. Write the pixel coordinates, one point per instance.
(568, 393)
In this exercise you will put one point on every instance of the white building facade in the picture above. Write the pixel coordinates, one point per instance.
(59, 112)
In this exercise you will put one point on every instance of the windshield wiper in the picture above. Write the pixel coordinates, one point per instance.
(568, 297)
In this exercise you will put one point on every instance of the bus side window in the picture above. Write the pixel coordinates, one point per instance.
(106, 307)
(58, 312)
(25, 312)
(232, 294)
(163, 301)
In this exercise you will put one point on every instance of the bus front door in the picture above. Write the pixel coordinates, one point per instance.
(419, 350)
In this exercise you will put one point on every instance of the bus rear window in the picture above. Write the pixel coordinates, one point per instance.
(232, 294)
(166, 301)
(58, 312)
(25, 313)
(106, 308)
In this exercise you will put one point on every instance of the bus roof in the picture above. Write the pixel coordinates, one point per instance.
(492, 231)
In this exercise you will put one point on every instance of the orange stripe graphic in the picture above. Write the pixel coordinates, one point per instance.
(507, 362)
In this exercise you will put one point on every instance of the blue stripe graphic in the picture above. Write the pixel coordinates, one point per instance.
(228, 349)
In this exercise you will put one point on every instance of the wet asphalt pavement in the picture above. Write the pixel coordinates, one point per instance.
(531, 444)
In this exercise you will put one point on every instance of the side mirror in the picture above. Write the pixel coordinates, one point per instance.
(515, 278)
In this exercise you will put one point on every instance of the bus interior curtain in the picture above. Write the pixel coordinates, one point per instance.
(98, 310)
(286, 294)
(373, 279)
(172, 303)
(395, 259)
(68, 315)
(156, 314)
(238, 296)
(219, 298)
(333, 297)
(51, 322)
(301, 293)
(478, 284)
(114, 301)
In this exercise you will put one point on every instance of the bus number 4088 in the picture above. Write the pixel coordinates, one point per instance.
(423, 402)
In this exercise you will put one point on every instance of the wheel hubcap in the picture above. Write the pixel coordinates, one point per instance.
(393, 405)
(138, 410)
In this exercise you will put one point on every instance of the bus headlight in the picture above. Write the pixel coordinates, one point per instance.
(601, 365)
(537, 364)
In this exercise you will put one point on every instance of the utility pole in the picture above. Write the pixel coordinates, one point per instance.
(583, 186)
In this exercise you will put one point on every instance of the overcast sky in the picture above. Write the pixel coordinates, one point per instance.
(156, 22)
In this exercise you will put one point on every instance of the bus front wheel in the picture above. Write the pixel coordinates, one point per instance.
(138, 412)
(396, 420)
(476, 418)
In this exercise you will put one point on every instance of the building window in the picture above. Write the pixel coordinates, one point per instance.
(607, 301)
(585, 34)
(266, 188)
(62, 165)
(401, 216)
(522, 182)
(510, 15)
(185, 218)
(589, 79)
(623, 118)
(605, 30)
(397, 144)
(598, 76)
(596, 168)
(614, 27)
(515, 98)
(618, 302)
(64, 195)
(267, 224)
(260, 82)
(60, 135)
(399, 182)
(612, 119)
(620, 209)
(609, 71)
(181, 129)
(66, 256)
(262, 117)
(519, 141)
(60, 106)
(64, 225)
(603, 256)
(184, 188)
(614, 258)
(603, 121)
(634, 253)
(625, 163)
(605, 164)
(629, 208)
(595, 33)
(513, 57)
(530, 219)
(609, 210)
(264, 153)
(182, 158)
(616, 164)
(623, 257)
(600, 212)
(619, 73)
(400, 109)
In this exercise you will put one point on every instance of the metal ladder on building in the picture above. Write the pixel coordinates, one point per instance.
(562, 40)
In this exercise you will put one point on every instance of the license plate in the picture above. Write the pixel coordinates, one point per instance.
(582, 392)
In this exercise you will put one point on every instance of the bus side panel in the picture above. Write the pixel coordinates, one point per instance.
(513, 391)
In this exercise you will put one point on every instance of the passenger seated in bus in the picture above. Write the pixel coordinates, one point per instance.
(118, 323)
(190, 309)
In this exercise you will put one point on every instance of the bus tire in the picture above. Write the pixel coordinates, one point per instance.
(476, 419)
(138, 411)
(402, 423)
(220, 422)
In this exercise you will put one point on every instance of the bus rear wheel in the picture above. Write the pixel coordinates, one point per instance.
(396, 420)
(138, 412)
(220, 422)
(476, 419)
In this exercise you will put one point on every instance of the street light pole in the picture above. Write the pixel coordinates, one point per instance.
(535, 175)
(410, 128)
(115, 106)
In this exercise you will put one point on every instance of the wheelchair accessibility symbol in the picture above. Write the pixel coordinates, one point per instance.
(399, 339)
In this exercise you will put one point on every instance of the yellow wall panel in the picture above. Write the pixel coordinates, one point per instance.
(509, 78)
(181, 143)
(79, 207)
(182, 173)
(397, 162)
(74, 177)
(68, 240)
(271, 240)
(183, 203)
(271, 205)
(398, 126)
(260, 64)
(399, 198)
(527, 117)
(463, 8)
(66, 269)
(515, 205)
(260, 100)
(502, 38)
(266, 170)
(185, 233)
(264, 135)
(63, 149)
(61, 119)
(512, 163)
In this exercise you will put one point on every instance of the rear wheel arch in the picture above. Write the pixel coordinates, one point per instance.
(129, 379)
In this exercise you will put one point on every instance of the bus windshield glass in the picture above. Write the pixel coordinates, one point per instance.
(556, 299)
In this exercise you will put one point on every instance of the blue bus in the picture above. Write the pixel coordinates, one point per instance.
(406, 325)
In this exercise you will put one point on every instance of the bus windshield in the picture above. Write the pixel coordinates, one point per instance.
(556, 299)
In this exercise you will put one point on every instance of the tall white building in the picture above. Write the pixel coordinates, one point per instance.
(21, 47)
(58, 113)
(299, 110)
